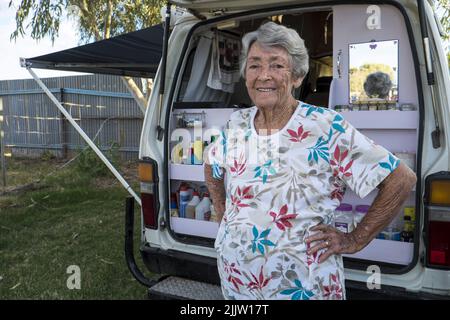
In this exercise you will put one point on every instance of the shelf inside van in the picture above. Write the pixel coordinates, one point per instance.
(396, 252)
(382, 119)
(194, 227)
(187, 172)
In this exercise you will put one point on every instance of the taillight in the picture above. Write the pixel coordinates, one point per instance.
(437, 220)
(148, 176)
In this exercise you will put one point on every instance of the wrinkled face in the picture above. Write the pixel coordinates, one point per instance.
(268, 76)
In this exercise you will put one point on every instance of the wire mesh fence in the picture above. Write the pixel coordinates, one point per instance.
(100, 104)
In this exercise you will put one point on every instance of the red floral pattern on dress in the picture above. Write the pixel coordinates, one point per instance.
(338, 192)
(334, 289)
(230, 269)
(338, 159)
(299, 135)
(238, 168)
(311, 258)
(239, 196)
(282, 218)
(258, 283)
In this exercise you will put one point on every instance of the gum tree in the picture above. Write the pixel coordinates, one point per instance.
(97, 20)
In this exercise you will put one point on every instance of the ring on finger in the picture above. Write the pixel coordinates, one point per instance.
(327, 243)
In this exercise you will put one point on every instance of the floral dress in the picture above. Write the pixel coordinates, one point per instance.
(280, 185)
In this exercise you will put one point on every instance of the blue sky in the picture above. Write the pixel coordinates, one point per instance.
(11, 51)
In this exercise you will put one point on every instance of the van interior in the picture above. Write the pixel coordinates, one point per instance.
(211, 88)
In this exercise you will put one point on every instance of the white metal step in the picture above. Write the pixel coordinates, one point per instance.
(180, 288)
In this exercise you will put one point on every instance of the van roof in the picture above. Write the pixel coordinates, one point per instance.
(238, 5)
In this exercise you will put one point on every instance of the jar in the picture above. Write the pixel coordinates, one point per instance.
(360, 212)
(407, 107)
(343, 218)
(356, 107)
(392, 107)
(346, 107)
(382, 106)
(364, 107)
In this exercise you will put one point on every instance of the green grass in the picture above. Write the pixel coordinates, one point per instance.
(22, 171)
(75, 220)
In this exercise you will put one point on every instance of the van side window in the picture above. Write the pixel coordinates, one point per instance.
(186, 75)
(194, 86)
(316, 86)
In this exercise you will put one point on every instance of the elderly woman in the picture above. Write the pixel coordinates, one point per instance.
(286, 165)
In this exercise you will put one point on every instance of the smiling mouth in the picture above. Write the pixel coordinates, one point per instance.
(265, 89)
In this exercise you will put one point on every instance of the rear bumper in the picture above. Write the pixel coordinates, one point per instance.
(359, 291)
(185, 265)
(181, 264)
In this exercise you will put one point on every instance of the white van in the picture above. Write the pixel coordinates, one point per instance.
(346, 41)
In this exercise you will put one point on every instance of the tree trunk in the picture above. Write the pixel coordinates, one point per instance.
(136, 92)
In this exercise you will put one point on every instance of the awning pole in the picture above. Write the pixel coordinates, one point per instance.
(84, 136)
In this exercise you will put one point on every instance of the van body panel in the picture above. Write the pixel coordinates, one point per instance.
(413, 278)
(436, 281)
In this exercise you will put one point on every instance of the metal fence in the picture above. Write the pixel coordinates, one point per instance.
(100, 104)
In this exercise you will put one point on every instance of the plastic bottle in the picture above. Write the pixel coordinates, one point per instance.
(190, 208)
(184, 200)
(343, 218)
(177, 152)
(391, 233)
(407, 234)
(203, 209)
(173, 206)
(214, 217)
(191, 154)
(198, 151)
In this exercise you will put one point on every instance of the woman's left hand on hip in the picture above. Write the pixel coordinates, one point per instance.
(332, 240)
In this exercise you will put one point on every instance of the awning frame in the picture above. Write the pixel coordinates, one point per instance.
(85, 137)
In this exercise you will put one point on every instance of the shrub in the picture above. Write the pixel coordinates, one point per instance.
(90, 164)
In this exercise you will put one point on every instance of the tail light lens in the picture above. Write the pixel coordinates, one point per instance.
(437, 220)
(148, 176)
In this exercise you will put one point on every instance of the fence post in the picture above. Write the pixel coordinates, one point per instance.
(63, 127)
(2, 144)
